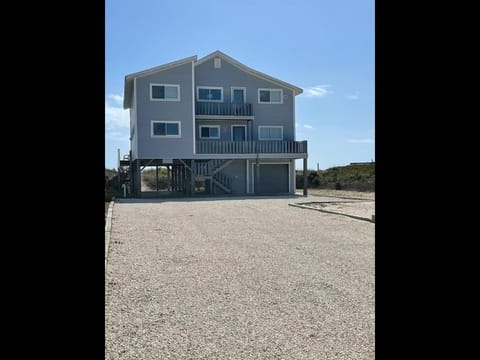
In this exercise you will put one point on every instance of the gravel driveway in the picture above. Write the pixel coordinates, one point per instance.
(238, 278)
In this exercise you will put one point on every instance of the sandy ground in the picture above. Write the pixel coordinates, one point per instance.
(361, 204)
(361, 208)
(342, 193)
(238, 278)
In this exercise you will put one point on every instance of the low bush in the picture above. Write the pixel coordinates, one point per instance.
(350, 177)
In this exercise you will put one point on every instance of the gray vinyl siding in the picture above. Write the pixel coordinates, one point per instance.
(133, 128)
(225, 128)
(147, 110)
(236, 170)
(265, 114)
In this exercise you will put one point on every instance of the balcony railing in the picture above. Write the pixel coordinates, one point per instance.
(251, 147)
(225, 109)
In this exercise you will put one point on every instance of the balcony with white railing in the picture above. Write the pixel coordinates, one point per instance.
(217, 109)
(251, 147)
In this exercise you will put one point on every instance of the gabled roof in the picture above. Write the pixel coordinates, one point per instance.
(128, 90)
(251, 71)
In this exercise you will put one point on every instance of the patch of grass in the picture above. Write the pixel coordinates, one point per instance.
(109, 195)
(149, 178)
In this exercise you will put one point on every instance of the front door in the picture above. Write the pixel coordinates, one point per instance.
(238, 96)
(238, 133)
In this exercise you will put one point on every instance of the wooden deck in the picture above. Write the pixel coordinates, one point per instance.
(251, 147)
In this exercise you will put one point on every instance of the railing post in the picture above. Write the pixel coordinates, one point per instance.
(305, 189)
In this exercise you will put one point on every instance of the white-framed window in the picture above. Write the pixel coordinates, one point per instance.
(209, 131)
(166, 129)
(238, 94)
(217, 63)
(210, 93)
(164, 92)
(270, 132)
(270, 96)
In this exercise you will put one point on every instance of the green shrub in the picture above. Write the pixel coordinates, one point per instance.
(149, 178)
(110, 195)
(350, 177)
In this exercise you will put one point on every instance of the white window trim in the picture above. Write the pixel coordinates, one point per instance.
(166, 122)
(172, 85)
(266, 126)
(209, 126)
(238, 88)
(270, 102)
(238, 125)
(210, 87)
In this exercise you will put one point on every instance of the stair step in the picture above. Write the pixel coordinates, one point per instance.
(221, 186)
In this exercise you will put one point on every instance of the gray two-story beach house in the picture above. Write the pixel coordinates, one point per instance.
(216, 122)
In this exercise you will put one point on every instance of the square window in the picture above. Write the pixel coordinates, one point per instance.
(203, 94)
(270, 96)
(264, 133)
(158, 92)
(164, 92)
(172, 129)
(215, 94)
(159, 128)
(270, 133)
(166, 128)
(207, 132)
(275, 96)
(171, 92)
(209, 94)
(264, 96)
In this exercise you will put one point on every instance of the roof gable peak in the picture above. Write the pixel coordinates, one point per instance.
(218, 53)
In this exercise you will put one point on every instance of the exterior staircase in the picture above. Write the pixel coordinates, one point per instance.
(210, 170)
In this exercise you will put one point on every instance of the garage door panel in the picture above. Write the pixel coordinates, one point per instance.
(273, 179)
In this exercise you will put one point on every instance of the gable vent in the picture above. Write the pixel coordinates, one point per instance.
(217, 63)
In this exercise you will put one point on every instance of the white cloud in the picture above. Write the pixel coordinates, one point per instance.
(117, 120)
(116, 97)
(117, 135)
(116, 117)
(308, 126)
(361, 141)
(317, 91)
(352, 97)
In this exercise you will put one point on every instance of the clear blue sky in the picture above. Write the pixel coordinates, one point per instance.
(325, 47)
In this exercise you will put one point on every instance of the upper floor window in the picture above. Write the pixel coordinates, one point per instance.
(166, 129)
(270, 132)
(210, 132)
(270, 96)
(210, 93)
(164, 92)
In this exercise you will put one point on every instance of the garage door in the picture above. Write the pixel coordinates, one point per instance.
(273, 178)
